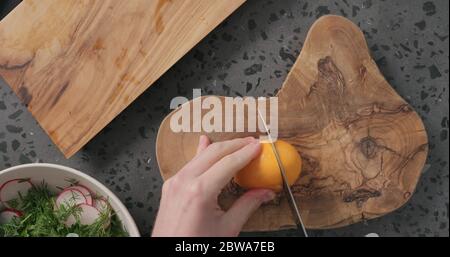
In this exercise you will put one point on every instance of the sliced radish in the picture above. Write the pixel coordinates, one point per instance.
(102, 205)
(7, 215)
(85, 191)
(10, 190)
(87, 216)
(70, 198)
(104, 208)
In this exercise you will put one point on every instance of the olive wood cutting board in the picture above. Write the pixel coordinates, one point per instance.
(76, 64)
(363, 146)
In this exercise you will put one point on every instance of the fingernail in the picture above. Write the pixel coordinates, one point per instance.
(268, 196)
(250, 139)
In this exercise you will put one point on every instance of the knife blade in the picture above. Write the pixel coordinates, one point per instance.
(287, 190)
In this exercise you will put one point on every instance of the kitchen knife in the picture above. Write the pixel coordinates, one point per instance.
(286, 188)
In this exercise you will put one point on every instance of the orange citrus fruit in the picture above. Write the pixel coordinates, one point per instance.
(263, 171)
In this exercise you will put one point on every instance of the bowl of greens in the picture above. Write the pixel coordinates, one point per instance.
(49, 200)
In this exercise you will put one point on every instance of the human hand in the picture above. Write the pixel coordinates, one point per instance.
(189, 205)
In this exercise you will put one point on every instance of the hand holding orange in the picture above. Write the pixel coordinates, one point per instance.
(263, 171)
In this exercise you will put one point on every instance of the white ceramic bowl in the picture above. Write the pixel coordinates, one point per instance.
(59, 176)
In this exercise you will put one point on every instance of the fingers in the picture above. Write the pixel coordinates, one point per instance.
(203, 143)
(222, 171)
(213, 153)
(244, 207)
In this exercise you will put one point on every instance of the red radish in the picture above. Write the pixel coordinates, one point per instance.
(87, 216)
(70, 197)
(10, 190)
(85, 191)
(104, 208)
(102, 205)
(7, 215)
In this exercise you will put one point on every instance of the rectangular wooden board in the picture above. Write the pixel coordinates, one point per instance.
(77, 64)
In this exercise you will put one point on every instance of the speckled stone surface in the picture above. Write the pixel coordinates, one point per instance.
(251, 54)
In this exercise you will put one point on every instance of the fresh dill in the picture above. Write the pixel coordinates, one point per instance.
(41, 219)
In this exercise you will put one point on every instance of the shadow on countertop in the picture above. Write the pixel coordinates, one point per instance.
(7, 6)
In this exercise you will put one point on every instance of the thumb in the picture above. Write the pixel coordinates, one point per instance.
(243, 208)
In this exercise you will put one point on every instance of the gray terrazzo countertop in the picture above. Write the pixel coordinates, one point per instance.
(250, 53)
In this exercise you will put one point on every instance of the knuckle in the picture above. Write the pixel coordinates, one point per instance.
(195, 189)
(170, 185)
(197, 194)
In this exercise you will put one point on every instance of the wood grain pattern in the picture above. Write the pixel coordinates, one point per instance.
(363, 146)
(77, 64)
